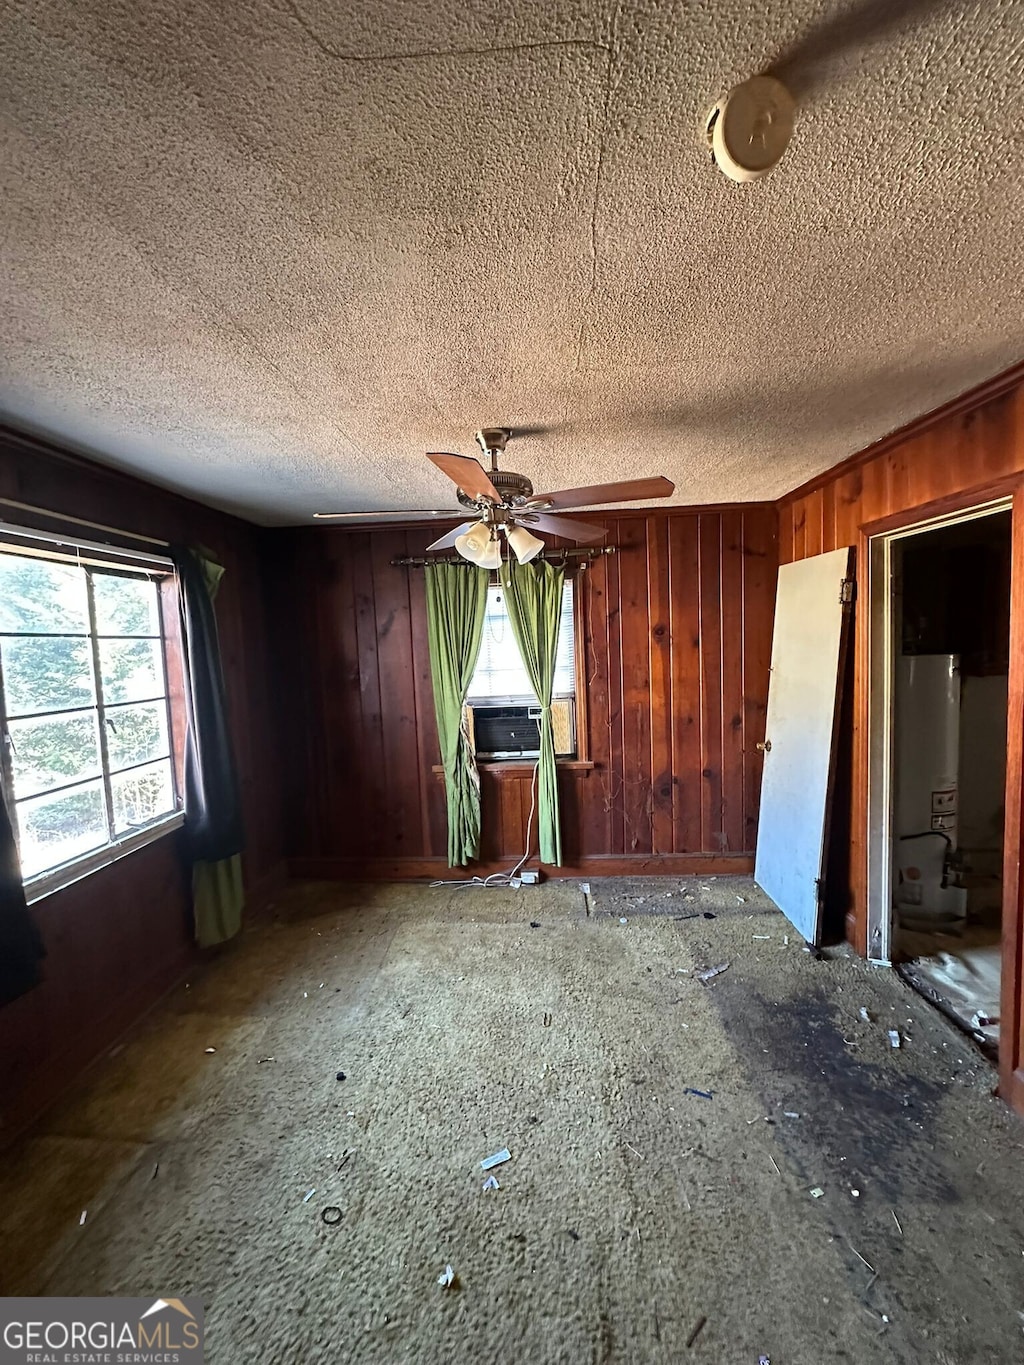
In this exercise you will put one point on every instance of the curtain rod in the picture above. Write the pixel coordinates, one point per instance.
(79, 521)
(418, 562)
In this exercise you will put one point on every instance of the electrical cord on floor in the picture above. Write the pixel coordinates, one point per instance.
(503, 878)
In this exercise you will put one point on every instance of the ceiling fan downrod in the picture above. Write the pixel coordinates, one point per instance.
(492, 441)
(512, 489)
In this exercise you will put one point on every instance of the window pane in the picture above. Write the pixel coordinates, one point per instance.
(565, 660)
(39, 596)
(136, 733)
(53, 753)
(131, 670)
(54, 829)
(125, 606)
(501, 682)
(141, 795)
(500, 671)
(48, 674)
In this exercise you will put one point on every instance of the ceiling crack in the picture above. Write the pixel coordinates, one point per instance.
(598, 171)
(592, 44)
(330, 51)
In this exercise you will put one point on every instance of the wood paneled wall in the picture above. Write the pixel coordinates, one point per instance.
(677, 628)
(971, 455)
(119, 938)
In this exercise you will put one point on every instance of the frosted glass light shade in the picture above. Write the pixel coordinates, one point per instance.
(474, 543)
(525, 545)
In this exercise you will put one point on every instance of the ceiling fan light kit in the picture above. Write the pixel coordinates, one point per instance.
(749, 128)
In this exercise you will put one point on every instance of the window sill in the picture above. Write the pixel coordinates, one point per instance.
(514, 767)
(38, 888)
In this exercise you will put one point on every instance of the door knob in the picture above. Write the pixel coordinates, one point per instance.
(765, 746)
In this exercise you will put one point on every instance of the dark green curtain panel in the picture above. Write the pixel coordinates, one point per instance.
(213, 835)
(21, 947)
(456, 605)
(533, 597)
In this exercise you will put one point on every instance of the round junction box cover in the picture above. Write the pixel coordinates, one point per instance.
(750, 128)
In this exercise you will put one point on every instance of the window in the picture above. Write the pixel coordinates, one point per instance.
(87, 752)
(500, 675)
(503, 710)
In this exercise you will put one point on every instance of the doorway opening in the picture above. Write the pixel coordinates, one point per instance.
(941, 606)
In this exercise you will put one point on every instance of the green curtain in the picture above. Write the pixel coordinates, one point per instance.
(212, 837)
(218, 899)
(218, 896)
(456, 605)
(533, 598)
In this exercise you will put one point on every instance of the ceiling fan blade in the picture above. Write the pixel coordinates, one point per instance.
(449, 538)
(582, 531)
(632, 490)
(468, 474)
(406, 514)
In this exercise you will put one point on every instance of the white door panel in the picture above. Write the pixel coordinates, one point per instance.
(800, 729)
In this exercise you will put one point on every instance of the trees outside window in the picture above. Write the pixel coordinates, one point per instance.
(83, 704)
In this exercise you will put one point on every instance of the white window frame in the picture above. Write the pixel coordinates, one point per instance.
(92, 557)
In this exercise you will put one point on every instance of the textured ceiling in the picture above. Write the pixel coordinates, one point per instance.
(269, 254)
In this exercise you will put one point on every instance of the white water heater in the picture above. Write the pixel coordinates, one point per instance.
(927, 763)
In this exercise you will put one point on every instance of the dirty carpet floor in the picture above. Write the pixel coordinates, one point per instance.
(636, 1214)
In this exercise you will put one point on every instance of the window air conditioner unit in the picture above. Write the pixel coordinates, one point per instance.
(512, 729)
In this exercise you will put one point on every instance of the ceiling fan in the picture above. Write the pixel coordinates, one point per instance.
(504, 503)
